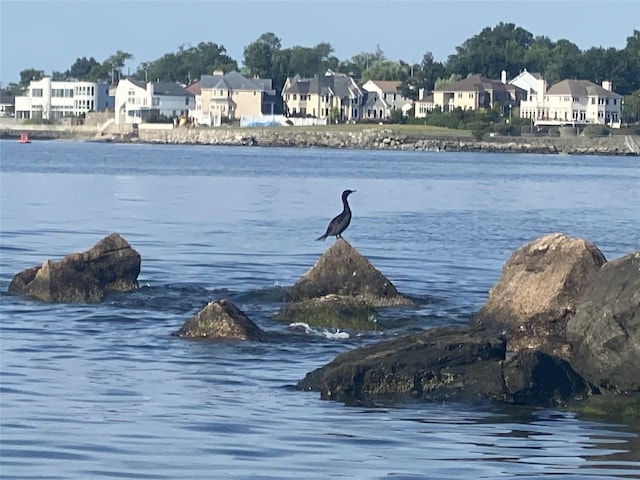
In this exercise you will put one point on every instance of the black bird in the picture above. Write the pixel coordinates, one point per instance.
(341, 222)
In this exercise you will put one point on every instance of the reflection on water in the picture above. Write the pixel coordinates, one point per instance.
(104, 391)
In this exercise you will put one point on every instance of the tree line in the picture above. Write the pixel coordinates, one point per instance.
(503, 47)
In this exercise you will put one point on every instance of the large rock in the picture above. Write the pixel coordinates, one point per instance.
(221, 320)
(110, 265)
(445, 364)
(605, 330)
(331, 311)
(538, 291)
(341, 270)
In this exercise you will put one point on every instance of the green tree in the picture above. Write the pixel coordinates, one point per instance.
(30, 74)
(384, 70)
(491, 51)
(258, 56)
(81, 68)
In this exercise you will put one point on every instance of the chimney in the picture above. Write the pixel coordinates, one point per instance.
(541, 88)
(421, 94)
(606, 84)
(503, 76)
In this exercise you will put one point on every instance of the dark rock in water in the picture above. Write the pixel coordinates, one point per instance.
(110, 265)
(445, 364)
(535, 378)
(341, 270)
(331, 311)
(436, 364)
(537, 293)
(221, 320)
(605, 330)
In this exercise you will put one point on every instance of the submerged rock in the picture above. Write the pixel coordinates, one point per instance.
(537, 293)
(110, 265)
(445, 364)
(605, 330)
(341, 270)
(221, 320)
(331, 311)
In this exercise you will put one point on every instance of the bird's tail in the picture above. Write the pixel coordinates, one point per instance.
(322, 237)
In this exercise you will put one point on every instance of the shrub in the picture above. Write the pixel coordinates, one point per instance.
(553, 132)
(478, 134)
(592, 131)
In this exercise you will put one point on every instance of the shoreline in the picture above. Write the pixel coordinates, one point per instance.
(373, 137)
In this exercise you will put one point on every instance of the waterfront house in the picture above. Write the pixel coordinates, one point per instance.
(476, 92)
(52, 99)
(7, 104)
(528, 81)
(573, 102)
(137, 101)
(389, 94)
(424, 104)
(234, 96)
(323, 95)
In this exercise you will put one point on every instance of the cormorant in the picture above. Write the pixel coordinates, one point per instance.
(341, 222)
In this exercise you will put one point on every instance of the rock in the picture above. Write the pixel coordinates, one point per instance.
(605, 330)
(331, 311)
(110, 265)
(341, 270)
(437, 364)
(445, 364)
(221, 320)
(538, 291)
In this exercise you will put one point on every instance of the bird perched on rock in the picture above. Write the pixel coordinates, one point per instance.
(341, 222)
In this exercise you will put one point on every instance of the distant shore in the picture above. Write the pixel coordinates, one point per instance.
(370, 137)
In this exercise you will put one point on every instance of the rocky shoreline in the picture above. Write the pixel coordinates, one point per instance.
(373, 138)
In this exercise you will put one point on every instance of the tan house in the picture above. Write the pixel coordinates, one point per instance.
(390, 98)
(572, 102)
(475, 92)
(233, 95)
(319, 96)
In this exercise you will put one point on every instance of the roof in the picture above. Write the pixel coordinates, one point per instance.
(235, 81)
(426, 99)
(194, 87)
(338, 85)
(473, 83)
(388, 86)
(580, 88)
(170, 89)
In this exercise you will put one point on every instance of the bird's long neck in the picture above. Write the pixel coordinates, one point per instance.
(345, 204)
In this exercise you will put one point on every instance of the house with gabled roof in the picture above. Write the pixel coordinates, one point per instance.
(136, 101)
(388, 92)
(424, 104)
(476, 92)
(319, 96)
(232, 95)
(528, 81)
(573, 102)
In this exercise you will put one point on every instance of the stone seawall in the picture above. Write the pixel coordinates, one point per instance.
(374, 138)
(385, 139)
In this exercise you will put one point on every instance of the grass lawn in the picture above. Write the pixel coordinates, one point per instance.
(395, 129)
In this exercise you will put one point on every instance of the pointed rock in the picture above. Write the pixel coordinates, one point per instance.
(538, 291)
(110, 265)
(221, 320)
(341, 270)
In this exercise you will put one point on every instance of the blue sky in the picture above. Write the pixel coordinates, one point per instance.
(51, 34)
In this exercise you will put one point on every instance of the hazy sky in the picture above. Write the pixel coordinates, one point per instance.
(51, 34)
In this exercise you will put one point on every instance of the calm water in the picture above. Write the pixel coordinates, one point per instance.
(104, 391)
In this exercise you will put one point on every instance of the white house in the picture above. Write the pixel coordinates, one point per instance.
(51, 99)
(391, 98)
(572, 102)
(526, 80)
(424, 104)
(136, 101)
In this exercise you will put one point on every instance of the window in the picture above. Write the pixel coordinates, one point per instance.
(186, 100)
(460, 95)
(36, 92)
(576, 100)
(593, 100)
(471, 95)
(155, 101)
(295, 97)
(615, 101)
